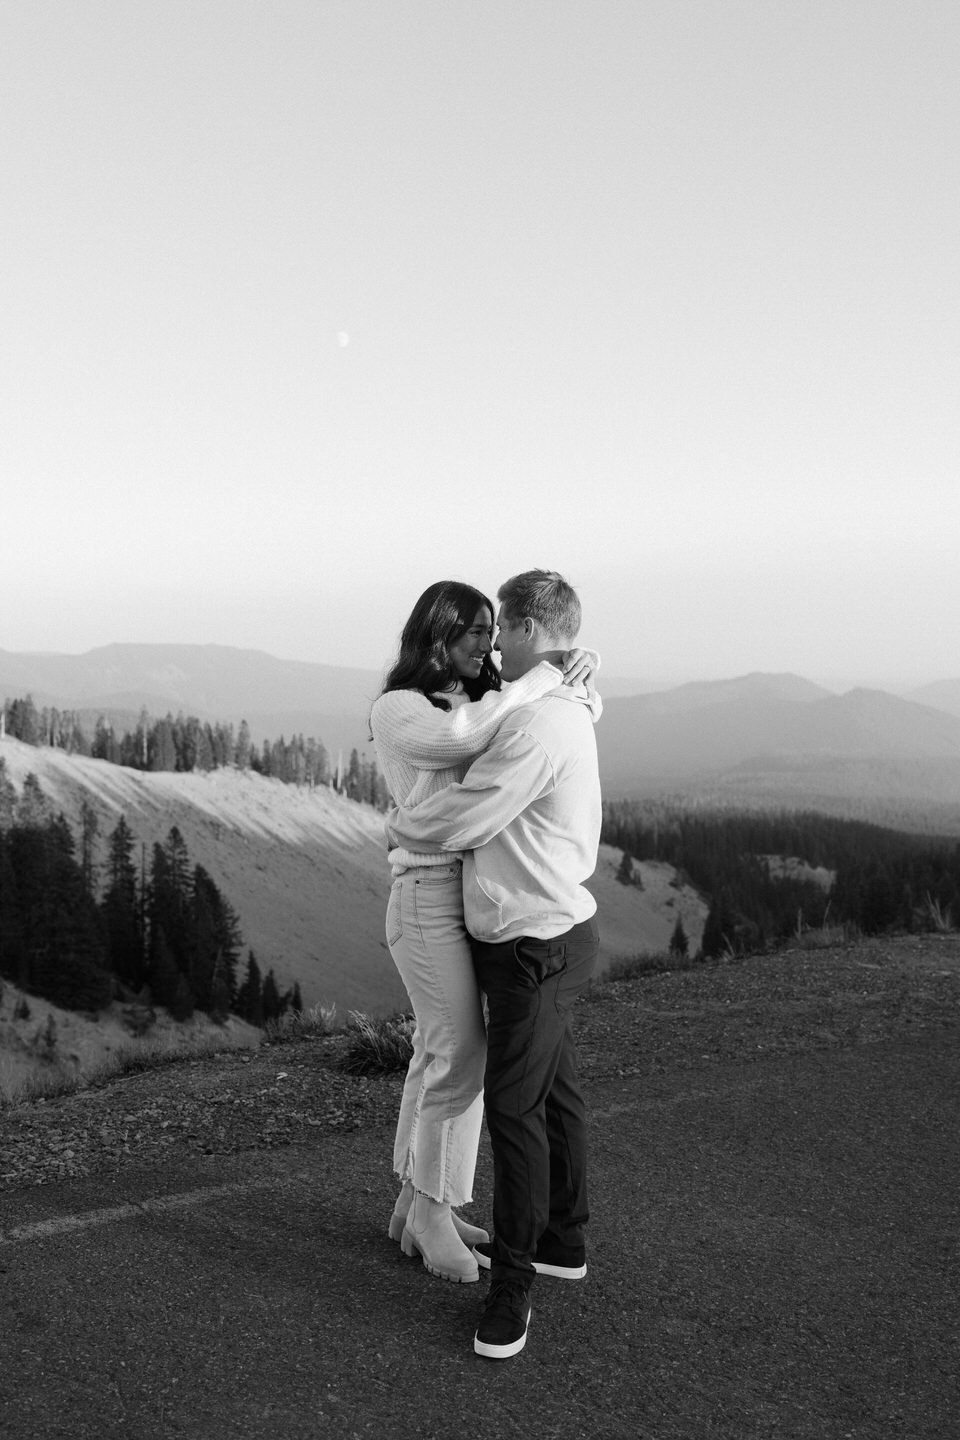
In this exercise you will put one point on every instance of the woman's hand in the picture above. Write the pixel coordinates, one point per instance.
(580, 665)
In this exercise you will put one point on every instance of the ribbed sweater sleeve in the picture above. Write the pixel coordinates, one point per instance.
(406, 725)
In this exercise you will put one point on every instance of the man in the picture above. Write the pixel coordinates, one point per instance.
(528, 816)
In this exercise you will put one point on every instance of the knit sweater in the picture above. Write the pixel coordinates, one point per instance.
(526, 817)
(422, 749)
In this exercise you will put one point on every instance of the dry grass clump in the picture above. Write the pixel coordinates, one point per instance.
(301, 1024)
(936, 917)
(377, 1047)
(19, 1083)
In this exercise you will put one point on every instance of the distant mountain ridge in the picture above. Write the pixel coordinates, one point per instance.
(942, 695)
(756, 687)
(213, 682)
(780, 740)
(207, 676)
(767, 738)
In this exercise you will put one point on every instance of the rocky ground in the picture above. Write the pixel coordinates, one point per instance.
(793, 1002)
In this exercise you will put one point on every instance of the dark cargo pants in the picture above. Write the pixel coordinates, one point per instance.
(534, 1109)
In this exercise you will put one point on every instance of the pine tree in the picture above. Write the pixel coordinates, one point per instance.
(122, 910)
(243, 746)
(250, 994)
(182, 1005)
(34, 809)
(89, 826)
(106, 746)
(13, 959)
(224, 746)
(142, 740)
(161, 749)
(679, 944)
(221, 1001)
(50, 726)
(168, 984)
(76, 742)
(719, 930)
(23, 721)
(178, 863)
(353, 785)
(8, 797)
(202, 740)
(272, 1004)
(215, 944)
(55, 933)
(168, 906)
(318, 763)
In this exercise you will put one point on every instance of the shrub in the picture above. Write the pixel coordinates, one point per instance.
(931, 915)
(378, 1047)
(300, 1024)
(45, 1040)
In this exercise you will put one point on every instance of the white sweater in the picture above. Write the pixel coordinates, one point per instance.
(526, 816)
(422, 750)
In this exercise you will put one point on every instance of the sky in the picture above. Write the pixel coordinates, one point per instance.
(306, 304)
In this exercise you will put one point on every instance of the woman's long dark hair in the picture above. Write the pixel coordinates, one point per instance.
(444, 612)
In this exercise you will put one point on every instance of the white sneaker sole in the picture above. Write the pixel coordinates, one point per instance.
(559, 1272)
(501, 1352)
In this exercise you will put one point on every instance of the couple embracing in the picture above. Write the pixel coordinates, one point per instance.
(494, 774)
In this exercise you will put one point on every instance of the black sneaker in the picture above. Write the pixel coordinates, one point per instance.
(502, 1331)
(563, 1263)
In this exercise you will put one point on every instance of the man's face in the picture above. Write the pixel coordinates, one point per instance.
(513, 646)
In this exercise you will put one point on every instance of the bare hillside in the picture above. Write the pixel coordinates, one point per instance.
(306, 869)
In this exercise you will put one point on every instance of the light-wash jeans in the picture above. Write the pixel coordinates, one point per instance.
(438, 1130)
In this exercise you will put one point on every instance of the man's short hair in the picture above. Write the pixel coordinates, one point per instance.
(547, 598)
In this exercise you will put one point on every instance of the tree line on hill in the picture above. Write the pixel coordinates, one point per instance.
(157, 930)
(883, 880)
(186, 744)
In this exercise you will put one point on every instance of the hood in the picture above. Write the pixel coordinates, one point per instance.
(579, 695)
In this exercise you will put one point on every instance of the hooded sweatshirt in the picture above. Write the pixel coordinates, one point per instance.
(527, 818)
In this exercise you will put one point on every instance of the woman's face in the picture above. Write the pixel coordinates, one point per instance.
(468, 653)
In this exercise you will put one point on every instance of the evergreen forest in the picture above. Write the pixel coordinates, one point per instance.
(161, 928)
(187, 744)
(160, 932)
(881, 880)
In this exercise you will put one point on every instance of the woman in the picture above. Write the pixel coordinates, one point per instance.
(440, 706)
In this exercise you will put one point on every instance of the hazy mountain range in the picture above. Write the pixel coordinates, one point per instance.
(213, 682)
(758, 738)
(779, 739)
